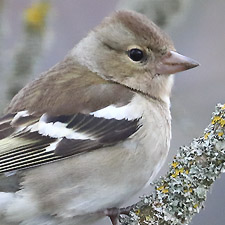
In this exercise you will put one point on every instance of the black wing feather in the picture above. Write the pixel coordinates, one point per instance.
(31, 150)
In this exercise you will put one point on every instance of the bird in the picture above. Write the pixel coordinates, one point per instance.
(86, 135)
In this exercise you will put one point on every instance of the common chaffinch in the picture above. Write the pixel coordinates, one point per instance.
(93, 130)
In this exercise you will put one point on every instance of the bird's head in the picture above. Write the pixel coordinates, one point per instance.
(129, 49)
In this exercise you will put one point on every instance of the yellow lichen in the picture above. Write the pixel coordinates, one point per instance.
(36, 14)
(160, 188)
(181, 170)
(206, 136)
(174, 164)
(222, 122)
(215, 119)
(177, 172)
(165, 191)
(220, 134)
(195, 205)
(218, 119)
(137, 212)
(147, 218)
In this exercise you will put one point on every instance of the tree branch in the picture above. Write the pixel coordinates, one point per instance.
(165, 14)
(181, 193)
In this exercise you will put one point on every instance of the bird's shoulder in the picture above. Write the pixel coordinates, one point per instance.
(67, 88)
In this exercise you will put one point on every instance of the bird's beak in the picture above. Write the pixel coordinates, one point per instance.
(174, 62)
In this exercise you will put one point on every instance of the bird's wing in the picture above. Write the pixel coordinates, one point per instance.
(30, 136)
(28, 141)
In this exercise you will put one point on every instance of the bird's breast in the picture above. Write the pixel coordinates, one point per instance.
(151, 142)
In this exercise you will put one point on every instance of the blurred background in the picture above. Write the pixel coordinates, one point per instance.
(34, 35)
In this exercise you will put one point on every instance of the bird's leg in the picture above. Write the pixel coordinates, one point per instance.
(114, 213)
(114, 220)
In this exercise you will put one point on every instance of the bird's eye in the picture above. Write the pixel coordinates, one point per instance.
(136, 54)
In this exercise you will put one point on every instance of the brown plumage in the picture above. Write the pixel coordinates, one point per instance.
(68, 88)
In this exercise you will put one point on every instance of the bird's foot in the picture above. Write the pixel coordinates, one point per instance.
(114, 213)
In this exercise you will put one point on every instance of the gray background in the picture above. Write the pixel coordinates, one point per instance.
(199, 33)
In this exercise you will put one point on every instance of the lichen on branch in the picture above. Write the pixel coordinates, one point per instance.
(181, 193)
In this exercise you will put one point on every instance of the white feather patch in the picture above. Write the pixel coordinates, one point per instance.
(56, 130)
(52, 146)
(19, 115)
(131, 111)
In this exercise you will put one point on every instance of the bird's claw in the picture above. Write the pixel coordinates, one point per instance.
(114, 213)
